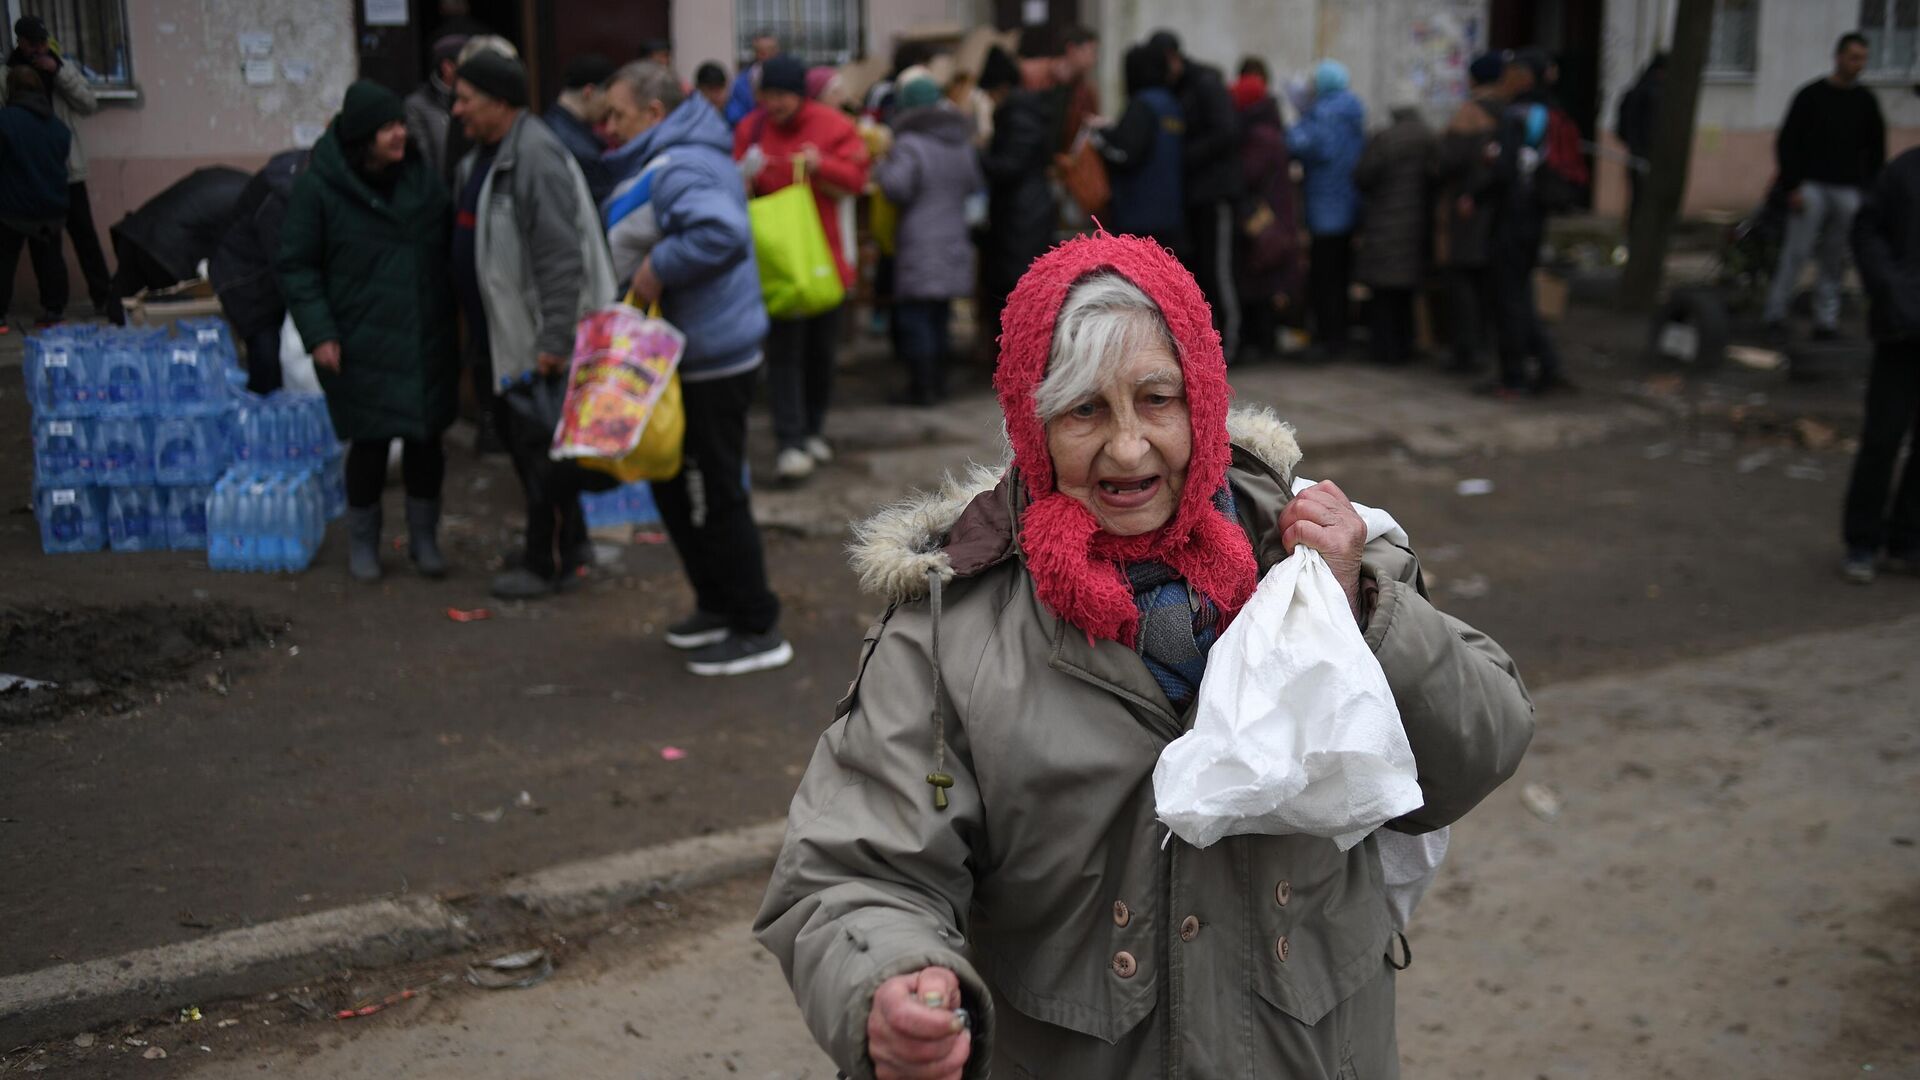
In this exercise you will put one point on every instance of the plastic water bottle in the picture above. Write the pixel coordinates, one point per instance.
(187, 513)
(59, 375)
(185, 450)
(188, 378)
(223, 549)
(62, 455)
(135, 520)
(71, 519)
(122, 452)
(124, 375)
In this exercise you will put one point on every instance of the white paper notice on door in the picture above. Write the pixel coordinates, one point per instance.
(386, 12)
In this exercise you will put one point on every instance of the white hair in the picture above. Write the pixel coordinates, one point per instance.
(1105, 318)
(480, 43)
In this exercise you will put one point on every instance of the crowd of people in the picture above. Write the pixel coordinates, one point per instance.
(459, 233)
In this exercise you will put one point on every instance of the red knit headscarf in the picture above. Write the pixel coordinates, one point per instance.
(1077, 568)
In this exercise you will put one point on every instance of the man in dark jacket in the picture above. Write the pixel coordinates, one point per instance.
(33, 179)
(72, 99)
(1829, 149)
(242, 267)
(678, 224)
(1886, 248)
(1212, 181)
(581, 108)
(1021, 213)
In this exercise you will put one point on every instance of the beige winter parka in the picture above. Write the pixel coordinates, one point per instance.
(1085, 947)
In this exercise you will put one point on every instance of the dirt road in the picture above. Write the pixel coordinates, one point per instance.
(1730, 889)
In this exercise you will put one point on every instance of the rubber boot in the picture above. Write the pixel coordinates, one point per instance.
(363, 543)
(423, 537)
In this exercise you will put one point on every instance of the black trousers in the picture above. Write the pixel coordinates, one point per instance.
(1522, 334)
(1469, 313)
(556, 524)
(1329, 271)
(11, 241)
(707, 512)
(1390, 326)
(1893, 413)
(800, 355)
(423, 467)
(921, 337)
(1208, 252)
(263, 361)
(50, 264)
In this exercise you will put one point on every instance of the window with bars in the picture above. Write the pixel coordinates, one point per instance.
(1891, 28)
(91, 34)
(816, 31)
(1734, 47)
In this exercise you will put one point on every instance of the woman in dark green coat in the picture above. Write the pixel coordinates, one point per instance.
(364, 266)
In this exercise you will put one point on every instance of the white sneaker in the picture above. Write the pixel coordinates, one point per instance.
(818, 450)
(793, 464)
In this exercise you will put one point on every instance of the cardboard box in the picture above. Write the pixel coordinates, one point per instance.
(162, 307)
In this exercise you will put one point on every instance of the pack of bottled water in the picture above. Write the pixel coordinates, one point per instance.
(259, 520)
(131, 427)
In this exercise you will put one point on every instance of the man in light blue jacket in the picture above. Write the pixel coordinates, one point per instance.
(1327, 142)
(677, 226)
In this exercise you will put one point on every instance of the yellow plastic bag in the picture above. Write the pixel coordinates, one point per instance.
(883, 220)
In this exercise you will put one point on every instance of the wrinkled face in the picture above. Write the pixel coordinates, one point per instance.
(627, 119)
(1849, 62)
(780, 104)
(389, 144)
(1123, 452)
(482, 118)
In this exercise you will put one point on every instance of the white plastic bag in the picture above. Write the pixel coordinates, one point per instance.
(1296, 730)
(296, 364)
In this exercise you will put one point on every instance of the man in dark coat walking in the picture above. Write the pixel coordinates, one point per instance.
(1886, 248)
(1021, 213)
(1211, 185)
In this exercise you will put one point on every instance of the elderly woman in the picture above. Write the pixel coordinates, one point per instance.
(976, 831)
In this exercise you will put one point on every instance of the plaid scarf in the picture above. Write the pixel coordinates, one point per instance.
(1177, 623)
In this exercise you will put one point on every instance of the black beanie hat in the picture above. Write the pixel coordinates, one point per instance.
(499, 77)
(999, 70)
(784, 72)
(368, 108)
(33, 28)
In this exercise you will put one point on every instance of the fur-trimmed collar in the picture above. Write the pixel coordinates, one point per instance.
(893, 550)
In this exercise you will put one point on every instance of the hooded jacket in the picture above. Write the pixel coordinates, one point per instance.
(679, 199)
(539, 248)
(33, 161)
(71, 98)
(370, 271)
(1145, 157)
(1327, 143)
(843, 165)
(1085, 949)
(984, 802)
(929, 174)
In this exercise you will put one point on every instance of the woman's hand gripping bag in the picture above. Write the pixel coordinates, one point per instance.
(1296, 730)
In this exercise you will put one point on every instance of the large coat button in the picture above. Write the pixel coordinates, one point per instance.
(1189, 928)
(1282, 893)
(1121, 915)
(1123, 965)
(1280, 949)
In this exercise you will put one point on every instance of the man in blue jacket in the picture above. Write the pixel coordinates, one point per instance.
(746, 85)
(1327, 143)
(677, 226)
